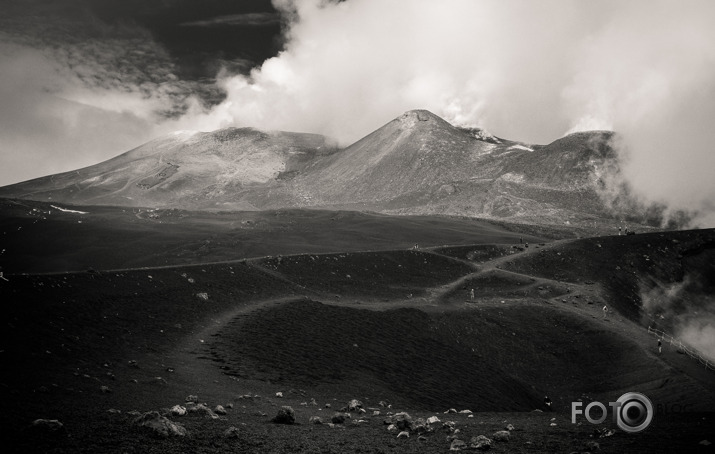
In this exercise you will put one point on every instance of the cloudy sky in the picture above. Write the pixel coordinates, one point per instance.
(84, 80)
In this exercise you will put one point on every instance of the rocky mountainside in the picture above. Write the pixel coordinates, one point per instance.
(416, 164)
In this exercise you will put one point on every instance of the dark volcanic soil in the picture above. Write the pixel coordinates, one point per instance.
(397, 327)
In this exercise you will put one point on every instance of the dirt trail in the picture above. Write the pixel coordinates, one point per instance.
(195, 349)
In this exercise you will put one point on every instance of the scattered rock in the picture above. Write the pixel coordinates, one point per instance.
(501, 435)
(203, 295)
(466, 412)
(480, 442)
(354, 405)
(403, 434)
(231, 433)
(376, 413)
(402, 420)
(448, 426)
(421, 426)
(285, 415)
(458, 445)
(114, 411)
(178, 410)
(159, 425)
(192, 398)
(392, 428)
(592, 446)
(105, 389)
(433, 420)
(339, 418)
(219, 410)
(705, 443)
(279, 394)
(315, 420)
(603, 432)
(203, 410)
(451, 410)
(509, 427)
(313, 402)
(133, 363)
(53, 426)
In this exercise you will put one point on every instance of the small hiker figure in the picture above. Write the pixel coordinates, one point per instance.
(471, 294)
(605, 311)
(547, 402)
(3, 277)
(660, 347)
(619, 231)
(521, 240)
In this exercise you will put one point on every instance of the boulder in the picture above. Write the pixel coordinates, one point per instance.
(421, 426)
(403, 434)
(509, 427)
(202, 409)
(501, 435)
(159, 425)
(433, 420)
(448, 426)
(339, 418)
(47, 426)
(219, 410)
(315, 420)
(231, 433)
(480, 442)
(402, 421)
(178, 410)
(285, 415)
(192, 398)
(457, 445)
(354, 405)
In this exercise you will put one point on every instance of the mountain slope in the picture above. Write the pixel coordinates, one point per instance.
(416, 164)
(184, 169)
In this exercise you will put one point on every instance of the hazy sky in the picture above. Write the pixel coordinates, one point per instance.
(84, 80)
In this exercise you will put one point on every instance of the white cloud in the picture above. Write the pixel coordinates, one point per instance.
(526, 70)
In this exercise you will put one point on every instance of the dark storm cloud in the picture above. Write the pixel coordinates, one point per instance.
(82, 81)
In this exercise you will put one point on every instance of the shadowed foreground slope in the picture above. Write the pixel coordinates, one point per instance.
(240, 332)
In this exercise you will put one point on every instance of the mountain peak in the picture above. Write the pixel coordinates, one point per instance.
(419, 116)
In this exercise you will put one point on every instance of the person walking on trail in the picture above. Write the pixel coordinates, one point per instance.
(660, 347)
(3, 277)
(605, 311)
(471, 294)
(547, 402)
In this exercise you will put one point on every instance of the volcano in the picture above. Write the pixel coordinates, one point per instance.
(416, 164)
